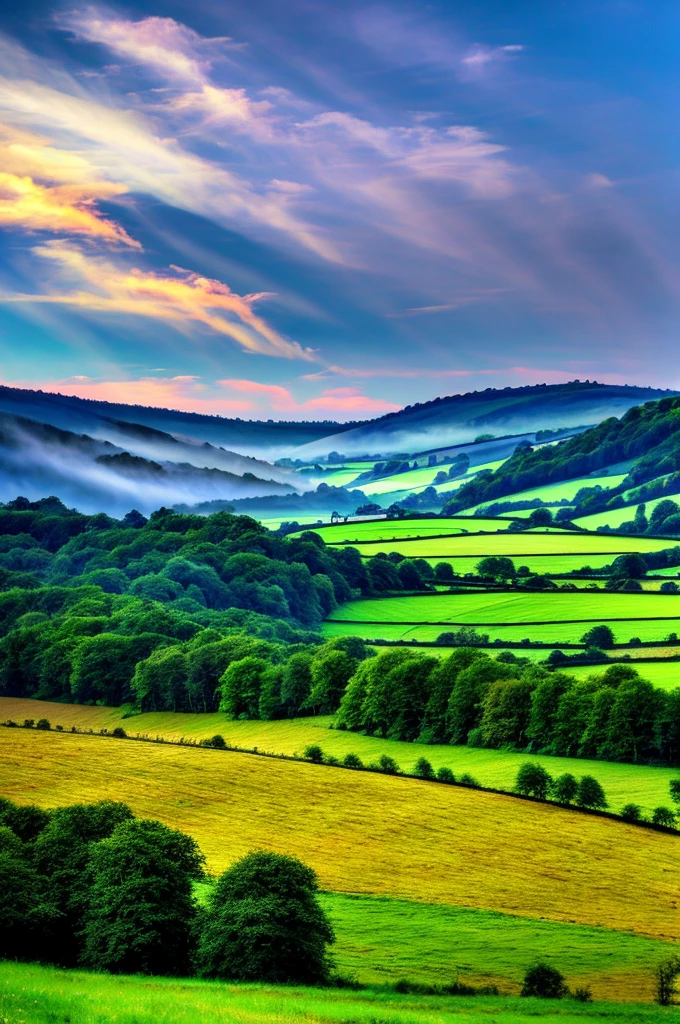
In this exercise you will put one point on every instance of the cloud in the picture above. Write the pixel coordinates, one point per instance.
(43, 189)
(184, 393)
(479, 55)
(333, 401)
(104, 286)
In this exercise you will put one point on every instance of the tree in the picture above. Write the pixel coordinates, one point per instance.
(27, 912)
(423, 769)
(663, 816)
(545, 701)
(505, 711)
(264, 923)
(565, 788)
(470, 688)
(590, 793)
(540, 517)
(296, 683)
(544, 982)
(599, 636)
(497, 566)
(443, 572)
(632, 813)
(141, 910)
(61, 854)
(331, 672)
(665, 976)
(533, 780)
(409, 576)
(674, 787)
(240, 687)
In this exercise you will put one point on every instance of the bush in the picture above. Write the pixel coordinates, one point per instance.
(544, 982)
(446, 775)
(313, 753)
(663, 816)
(469, 780)
(665, 976)
(352, 761)
(590, 793)
(423, 769)
(43, 723)
(533, 780)
(582, 995)
(388, 765)
(564, 788)
(29, 723)
(218, 742)
(119, 733)
(264, 923)
(632, 813)
(599, 636)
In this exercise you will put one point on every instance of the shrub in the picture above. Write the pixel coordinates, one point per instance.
(544, 982)
(590, 793)
(632, 813)
(446, 775)
(598, 636)
(663, 816)
(352, 761)
(469, 780)
(264, 923)
(423, 769)
(533, 780)
(330, 760)
(29, 723)
(582, 994)
(665, 976)
(119, 733)
(43, 723)
(388, 765)
(564, 788)
(313, 753)
(218, 742)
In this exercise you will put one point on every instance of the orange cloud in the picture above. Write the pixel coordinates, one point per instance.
(181, 299)
(67, 209)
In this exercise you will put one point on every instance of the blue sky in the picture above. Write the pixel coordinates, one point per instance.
(330, 210)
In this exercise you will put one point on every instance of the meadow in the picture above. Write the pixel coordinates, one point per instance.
(406, 529)
(564, 490)
(642, 784)
(369, 834)
(30, 994)
(614, 517)
(559, 616)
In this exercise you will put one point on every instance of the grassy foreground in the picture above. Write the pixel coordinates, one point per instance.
(369, 833)
(497, 769)
(36, 995)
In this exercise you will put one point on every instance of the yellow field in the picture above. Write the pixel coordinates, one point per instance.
(369, 833)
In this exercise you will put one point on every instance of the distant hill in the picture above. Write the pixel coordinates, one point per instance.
(461, 418)
(82, 414)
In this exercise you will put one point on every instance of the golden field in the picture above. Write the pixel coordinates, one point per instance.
(369, 833)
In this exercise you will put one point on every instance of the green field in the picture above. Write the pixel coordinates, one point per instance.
(554, 634)
(614, 517)
(30, 994)
(664, 674)
(415, 480)
(647, 615)
(643, 784)
(565, 490)
(405, 529)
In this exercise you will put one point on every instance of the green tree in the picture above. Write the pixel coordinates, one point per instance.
(296, 683)
(599, 636)
(423, 769)
(441, 683)
(533, 780)
(565, 788)
(497, 566)
(62, 853)
(506, 708)
(264, 923)
(240, 687)
(590, 793)
(663, 816)
(331, 672)
(545, 700)
(141, 910)
(632, 813)
(28, 914)
(465, 703)
(443, 572)
(544, 982)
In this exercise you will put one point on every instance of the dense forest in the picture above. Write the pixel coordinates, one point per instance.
(649, 433)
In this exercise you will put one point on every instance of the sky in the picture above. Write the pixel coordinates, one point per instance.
(323, 210)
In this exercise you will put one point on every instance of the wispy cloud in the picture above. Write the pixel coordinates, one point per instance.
(100, 285)
(332, 401)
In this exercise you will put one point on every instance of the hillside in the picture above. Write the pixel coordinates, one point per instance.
(648, 434)
(458, 419)
(369, 833)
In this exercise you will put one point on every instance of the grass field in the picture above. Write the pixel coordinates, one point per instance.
(513, 545)
(559, 615)
(616, 516)
(36, 995)
(367, 833)
(643, 784)
(553, 634)
(565, 490)
(404, 529)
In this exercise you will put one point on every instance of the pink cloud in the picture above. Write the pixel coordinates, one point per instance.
(334, 401)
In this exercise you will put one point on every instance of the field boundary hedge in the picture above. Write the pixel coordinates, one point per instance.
(121, 735)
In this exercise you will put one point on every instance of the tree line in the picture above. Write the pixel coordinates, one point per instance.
(91, 885)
